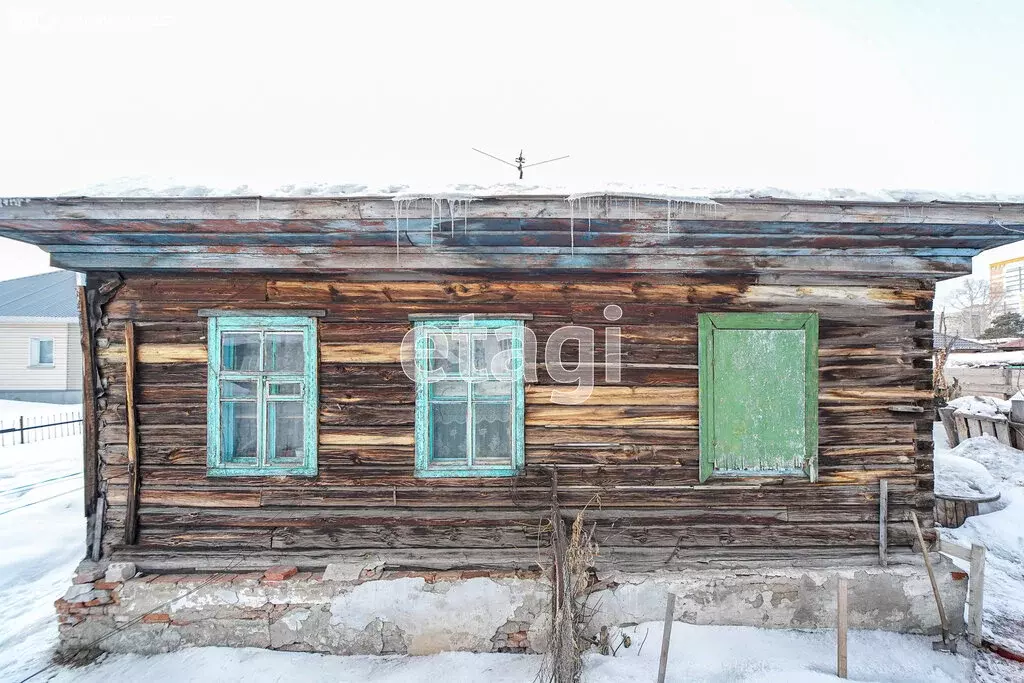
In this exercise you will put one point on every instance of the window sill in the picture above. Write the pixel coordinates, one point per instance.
(41, 366)
(447, 472)
(757, 474)
(261, 471)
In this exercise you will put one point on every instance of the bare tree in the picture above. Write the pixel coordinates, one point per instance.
(974, 303)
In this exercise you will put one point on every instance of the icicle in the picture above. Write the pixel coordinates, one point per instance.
(465, 216)
(590, 206)
(668, 220)
(572, 227)
(398, 232)
(431, 222)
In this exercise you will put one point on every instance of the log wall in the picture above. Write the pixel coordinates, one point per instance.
(629, 454)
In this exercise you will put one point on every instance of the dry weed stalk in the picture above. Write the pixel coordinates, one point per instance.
(573, 558)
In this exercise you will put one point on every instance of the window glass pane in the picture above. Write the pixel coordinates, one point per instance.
(488, 358)
(284, 389)
(450, 388)
(448, 433)
(238, 430)
(45, 352)
(285, 421)
(237, 389)
(492, 390)
(448, 353)
(493, 431)
(240, 351)
(283, 351)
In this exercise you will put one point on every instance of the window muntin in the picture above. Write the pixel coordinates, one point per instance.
(758, 394)
(469, 399)
(41, 352)
(262, 396)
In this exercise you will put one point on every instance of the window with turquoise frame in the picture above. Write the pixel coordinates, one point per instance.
(469, 398)
(262, 396)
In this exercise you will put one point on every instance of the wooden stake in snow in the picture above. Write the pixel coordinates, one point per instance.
(666, 636)
(883, 522)
(976, 590)
(842, 617)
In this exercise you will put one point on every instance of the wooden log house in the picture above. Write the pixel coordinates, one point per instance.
(248, 405)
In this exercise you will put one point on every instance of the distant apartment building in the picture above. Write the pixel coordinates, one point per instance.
(1006, 285)
(40, 346)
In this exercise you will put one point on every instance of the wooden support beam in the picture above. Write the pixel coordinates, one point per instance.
(89, 431)
(131, 524)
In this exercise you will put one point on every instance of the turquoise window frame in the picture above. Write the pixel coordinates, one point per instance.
(309, 397)
(424, 437)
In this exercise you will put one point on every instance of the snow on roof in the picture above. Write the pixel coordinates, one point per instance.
(983, 406)
(984, 359)
(171, 187)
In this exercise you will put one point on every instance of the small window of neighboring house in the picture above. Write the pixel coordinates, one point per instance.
(758, 394)
(41, 352)
(469, 398)
(262, 396)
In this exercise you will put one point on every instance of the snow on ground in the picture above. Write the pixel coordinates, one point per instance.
(984, 359)
(726, 654)
(42, 538)
(1000, 528)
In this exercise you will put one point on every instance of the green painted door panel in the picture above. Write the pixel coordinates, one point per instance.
(759, 378)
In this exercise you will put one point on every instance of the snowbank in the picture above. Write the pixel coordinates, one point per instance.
(984, 359)
(1004, 464)
(958, 476)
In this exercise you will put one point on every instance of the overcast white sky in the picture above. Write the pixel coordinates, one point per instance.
(796, 94)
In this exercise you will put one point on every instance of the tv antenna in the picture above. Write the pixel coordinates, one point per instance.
(520, 161)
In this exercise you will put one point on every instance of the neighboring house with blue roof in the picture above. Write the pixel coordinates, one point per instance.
(40, 348)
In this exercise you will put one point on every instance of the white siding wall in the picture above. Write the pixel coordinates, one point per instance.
(74, 357)
(15, 372)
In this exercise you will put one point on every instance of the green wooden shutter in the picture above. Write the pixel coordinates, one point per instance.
(758, 394)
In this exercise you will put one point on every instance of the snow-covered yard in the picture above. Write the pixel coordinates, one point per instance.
(42, 536)
(988, 466)
(698, 653)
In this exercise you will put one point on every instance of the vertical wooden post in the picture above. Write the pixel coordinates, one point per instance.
(842, 624)
(21, 428)
(976, 592)
(131, 522)
(883, 522)
(89, 423)
(666, 636)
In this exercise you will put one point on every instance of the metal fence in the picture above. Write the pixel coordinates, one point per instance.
(30, 429)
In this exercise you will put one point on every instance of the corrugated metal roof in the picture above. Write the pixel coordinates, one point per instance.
(940, 341)
(50, 295)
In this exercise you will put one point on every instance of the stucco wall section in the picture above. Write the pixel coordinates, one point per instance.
(402, 612)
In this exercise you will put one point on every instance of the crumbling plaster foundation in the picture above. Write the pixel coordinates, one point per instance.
(397, 612)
